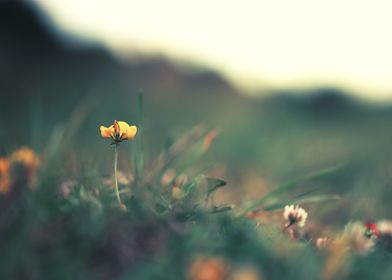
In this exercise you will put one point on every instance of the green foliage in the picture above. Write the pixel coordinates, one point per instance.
(70, 225)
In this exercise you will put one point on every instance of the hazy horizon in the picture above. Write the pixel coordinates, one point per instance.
(257, 45)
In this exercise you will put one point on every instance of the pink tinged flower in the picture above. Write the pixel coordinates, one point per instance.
(294, 214)
(371, 230)
(66, 188)
(322, 242)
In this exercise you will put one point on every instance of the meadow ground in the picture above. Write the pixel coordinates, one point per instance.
(198, 201)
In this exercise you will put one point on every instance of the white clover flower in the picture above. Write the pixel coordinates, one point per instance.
(385, 233)
(294, 214)
(385, 227)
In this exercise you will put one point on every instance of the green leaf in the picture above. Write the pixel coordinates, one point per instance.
(214, 183)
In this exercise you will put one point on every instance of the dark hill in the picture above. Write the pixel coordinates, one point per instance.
(42, 67)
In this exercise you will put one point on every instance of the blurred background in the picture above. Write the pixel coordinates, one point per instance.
(291, 86)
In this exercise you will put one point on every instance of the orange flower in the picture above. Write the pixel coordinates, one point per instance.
(209, 138)
(208, 268)
(119, 131)
(30, 160)
(5, 178)
(27, 157)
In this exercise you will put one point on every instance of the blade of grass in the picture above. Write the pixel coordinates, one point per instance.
(289, 186)
(194, 184)
(63, 134)
(177, 150)
(303, 200)
(195, 153)
(138, 147)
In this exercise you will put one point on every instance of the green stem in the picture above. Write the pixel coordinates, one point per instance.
(115, 173)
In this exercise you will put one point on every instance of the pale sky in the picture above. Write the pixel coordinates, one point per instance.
(258, 44)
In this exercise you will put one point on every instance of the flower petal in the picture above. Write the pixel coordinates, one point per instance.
(5, 178)
(130, 133)
(105, 131)
(123, 126)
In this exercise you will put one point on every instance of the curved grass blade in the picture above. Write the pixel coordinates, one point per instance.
(138, 148)
(289, 186)
(303, 200)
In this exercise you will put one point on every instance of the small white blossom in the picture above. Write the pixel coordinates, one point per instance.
(385, 227)
(294, 214)
(385, 233)
(66, 188)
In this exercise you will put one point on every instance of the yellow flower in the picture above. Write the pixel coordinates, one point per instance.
(119, 131)
(177, 193)
(5, 178)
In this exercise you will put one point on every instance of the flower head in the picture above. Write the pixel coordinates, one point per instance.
(321, 242)
(371, 230)
(119, 131)
(385, 233)
(30, 160)
(168, 177)
(27, 157)
(66, 188)
(5, 178)
(208, 268)
(385, 227)
(177, 193)
(294, 215)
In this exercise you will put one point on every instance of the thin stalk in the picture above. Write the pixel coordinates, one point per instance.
(115, 174)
